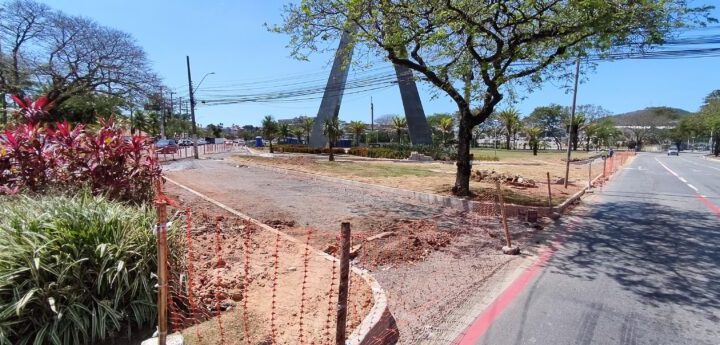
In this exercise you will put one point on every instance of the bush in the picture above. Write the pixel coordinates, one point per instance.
(75, 270)
(306, 149)
(36, 158)
(397, 151)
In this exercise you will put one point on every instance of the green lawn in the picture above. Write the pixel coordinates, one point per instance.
(513, 155)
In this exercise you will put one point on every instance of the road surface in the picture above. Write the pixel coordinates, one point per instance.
(640, 266)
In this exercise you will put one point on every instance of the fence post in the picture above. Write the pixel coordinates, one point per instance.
(508, 249)
(162, 270)
(604, 167)
(590, 174)
(550, 205)
(344, 283)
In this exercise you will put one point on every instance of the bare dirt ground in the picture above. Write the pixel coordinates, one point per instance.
(438, 177)
(432, 264)
(234, 270)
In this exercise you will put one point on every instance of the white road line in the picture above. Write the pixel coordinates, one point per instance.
(678, 176)
(700, 165)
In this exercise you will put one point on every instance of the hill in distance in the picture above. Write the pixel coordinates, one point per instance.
(652, 116)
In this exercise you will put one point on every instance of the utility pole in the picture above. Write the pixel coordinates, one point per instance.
(4, 109)
(372, 122)
(132, 128)
(192, 110)
(162, 114)
(372, 115)
(172, 106)
(572, 120)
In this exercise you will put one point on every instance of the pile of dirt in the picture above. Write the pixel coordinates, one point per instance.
(396, 241)
(492, 176)
(280, 224)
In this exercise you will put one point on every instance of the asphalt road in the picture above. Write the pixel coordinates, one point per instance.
(641, 266)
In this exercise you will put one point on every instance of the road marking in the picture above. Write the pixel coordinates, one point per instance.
(709, 204)
(668, 169)
(698, 164)
(482, 322)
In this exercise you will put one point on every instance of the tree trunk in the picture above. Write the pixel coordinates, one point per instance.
(332, 155)
(535, 148)
(507, 142)
(271, 149)
(587, 144)
(4, 109)
(308, 140)
(716, 149)
(464, 166)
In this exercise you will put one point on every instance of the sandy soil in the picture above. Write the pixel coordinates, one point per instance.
(438, 177)
(433, 263)
(234, 270)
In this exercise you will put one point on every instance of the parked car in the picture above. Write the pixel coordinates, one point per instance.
(240, 142)
(185, 142)
(201, 142)
(673, 152)
(168, 146)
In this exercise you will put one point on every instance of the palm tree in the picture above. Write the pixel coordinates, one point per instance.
(358, 128)
(307, 126)
(445, 125)
(575, 127)
(534, 133)
(510, 119)
(298, 133)
(332, 130)
(284, 129)
(399, 124)
(269, 130)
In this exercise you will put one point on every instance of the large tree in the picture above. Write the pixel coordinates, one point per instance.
(550, 119)
(472, 51)
(710, 111)
(65, 57)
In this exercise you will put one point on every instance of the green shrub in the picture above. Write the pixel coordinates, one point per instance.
(397, 151)
(74, 269)
(306, 149)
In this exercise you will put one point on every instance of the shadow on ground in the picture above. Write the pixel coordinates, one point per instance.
(664, 254)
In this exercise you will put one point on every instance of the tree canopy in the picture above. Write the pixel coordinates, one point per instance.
(472, 51)
(64, 56)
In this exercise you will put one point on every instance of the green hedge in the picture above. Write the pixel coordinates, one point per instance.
(403, 151)
(74, 269)
(306, 149)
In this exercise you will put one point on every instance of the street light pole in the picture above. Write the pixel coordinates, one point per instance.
(192, 106)
(572, 120)
(192, 111)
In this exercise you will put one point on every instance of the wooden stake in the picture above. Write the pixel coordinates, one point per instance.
(604, 167)
(162, 271)
(344, 283)
(504, 216)
(550, 205)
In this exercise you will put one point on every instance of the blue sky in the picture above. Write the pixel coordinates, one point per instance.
(228, 38)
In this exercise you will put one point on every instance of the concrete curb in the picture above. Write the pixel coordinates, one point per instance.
(378, 327)
(580, 193)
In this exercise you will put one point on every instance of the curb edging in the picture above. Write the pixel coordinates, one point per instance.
(374, 327)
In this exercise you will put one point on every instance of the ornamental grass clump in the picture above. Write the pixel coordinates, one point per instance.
(74, 269)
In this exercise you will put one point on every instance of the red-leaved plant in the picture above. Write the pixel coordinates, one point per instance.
(34, 157)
